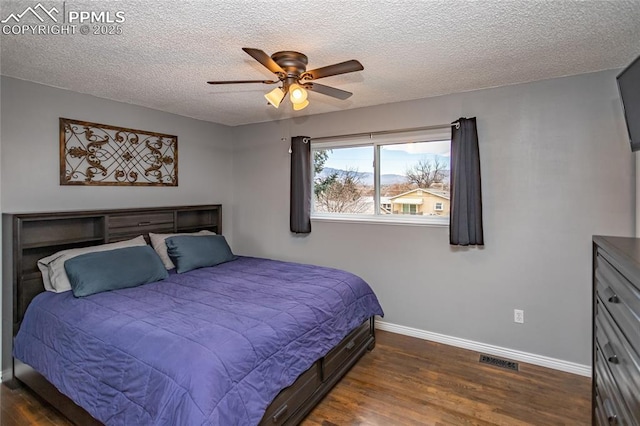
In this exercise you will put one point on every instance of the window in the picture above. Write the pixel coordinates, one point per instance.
(343, 180)
(400, 177)
(409, 209)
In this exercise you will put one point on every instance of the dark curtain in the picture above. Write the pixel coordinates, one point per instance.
(465, 227)
(300, 204)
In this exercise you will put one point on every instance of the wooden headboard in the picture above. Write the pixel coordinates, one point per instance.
(26, 238)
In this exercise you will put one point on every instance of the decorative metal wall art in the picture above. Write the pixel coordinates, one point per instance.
(98, 154)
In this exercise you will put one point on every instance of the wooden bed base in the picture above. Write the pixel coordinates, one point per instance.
(28, 237)
(290, 407)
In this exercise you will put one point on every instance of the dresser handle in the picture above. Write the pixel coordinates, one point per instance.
(609, 353)
(611, 416)
(611, 296)
(144, 223)
(350, 345)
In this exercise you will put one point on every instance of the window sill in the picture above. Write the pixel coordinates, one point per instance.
(382, 220)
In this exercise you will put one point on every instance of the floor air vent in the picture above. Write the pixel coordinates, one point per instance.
(498, 362)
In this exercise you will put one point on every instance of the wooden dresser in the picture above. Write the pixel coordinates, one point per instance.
(616, 331)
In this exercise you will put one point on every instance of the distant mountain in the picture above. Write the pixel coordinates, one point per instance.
(391, 179)
(366, 178)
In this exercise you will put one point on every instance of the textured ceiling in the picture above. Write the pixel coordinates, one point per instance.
(409, 49)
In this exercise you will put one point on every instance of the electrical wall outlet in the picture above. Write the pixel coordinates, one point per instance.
(518, 316)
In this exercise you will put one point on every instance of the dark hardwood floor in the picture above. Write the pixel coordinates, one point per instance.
(407, 381)
(410, 381)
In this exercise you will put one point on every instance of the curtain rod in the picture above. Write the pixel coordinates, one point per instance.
(382, 132)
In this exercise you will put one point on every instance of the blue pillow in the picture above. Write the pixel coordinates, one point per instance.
(190, 252)
(114, 269)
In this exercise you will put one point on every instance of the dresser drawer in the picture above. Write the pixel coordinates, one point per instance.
(341, 353)
(610, 406)
(621, 298)
(289, 400)
(601, 416)
(143, 223)
(620, 359)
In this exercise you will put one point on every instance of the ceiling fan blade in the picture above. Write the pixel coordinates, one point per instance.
(335, 69)
(264, 59)
(242, 82)
(329, 91)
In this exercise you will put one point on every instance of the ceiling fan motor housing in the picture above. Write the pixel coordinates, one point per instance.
(294, 63)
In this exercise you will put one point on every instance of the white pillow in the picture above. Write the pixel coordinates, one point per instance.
(52, 267)
(157, 241)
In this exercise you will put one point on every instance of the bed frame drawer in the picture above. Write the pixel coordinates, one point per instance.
(342, 353)
(289, 400)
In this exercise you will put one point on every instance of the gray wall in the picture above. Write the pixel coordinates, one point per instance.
(30, 152)
(556, 168)
(1, 272)
(29, 146)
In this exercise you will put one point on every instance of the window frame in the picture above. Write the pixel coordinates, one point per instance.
(376, 141)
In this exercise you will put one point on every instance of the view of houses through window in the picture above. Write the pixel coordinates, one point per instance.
(408, 179)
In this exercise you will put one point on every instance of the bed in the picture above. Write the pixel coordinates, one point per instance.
(264, 340)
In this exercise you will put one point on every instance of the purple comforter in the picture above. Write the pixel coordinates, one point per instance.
(212, 346)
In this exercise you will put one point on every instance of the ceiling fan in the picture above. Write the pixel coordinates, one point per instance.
(291, 69)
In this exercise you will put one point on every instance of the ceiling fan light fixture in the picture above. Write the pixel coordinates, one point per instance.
(275, 96)
(297, 94)
(301, 105)
(290, 68)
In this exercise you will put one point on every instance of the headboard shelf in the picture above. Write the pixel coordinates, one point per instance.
(198, 228)
(62, 242)
(28, 237)
(31, 275)
(196, 218)
(45, 229)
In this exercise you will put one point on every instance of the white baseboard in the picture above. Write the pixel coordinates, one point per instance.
(543, 361)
